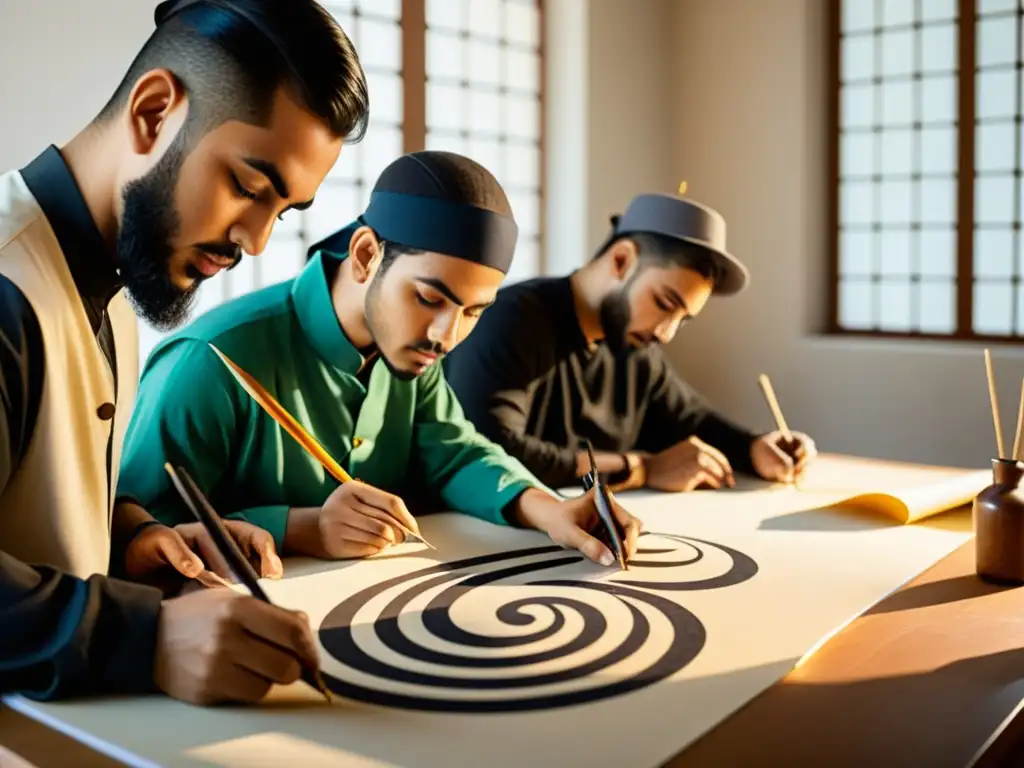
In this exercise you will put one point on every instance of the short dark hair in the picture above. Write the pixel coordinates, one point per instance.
(232, 55)
(670, 252)
(391, 253)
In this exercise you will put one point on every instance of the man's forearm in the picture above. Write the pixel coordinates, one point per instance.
(622, 471)
(302, 533)
(126, 518)
(731, 439)
(522, 511)
(607, 463)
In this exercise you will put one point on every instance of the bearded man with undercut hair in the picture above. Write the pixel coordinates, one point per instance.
(231, 115)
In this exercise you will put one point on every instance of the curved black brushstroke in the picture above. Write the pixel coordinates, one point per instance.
(688, 634)
(688, 641)
(634, 563)
(436, 619)
(743, 568)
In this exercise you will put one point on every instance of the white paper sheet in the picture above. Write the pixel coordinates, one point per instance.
(500, 649)
(903, 491)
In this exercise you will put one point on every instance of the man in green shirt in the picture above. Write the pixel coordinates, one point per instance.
(351, 348)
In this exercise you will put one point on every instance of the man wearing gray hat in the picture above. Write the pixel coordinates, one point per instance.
(559, 360)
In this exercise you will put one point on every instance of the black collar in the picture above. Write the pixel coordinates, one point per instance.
(50, 181)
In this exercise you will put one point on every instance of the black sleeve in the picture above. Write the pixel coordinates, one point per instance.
(59, 635)
(676, 411)
(494, 374)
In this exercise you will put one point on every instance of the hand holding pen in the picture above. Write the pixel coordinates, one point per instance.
(217, 646)
(357, 520)
(289, 650)
(615, 529)
(780, 455)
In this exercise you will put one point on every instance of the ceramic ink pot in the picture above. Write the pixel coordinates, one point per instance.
(999, 525)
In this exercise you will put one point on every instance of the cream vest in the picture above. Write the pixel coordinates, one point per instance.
(56, 508)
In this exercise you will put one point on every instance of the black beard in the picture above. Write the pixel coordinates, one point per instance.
(149, 223)
(615, 315)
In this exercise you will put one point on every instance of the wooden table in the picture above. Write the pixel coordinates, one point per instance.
(925, 678)
(932, 676)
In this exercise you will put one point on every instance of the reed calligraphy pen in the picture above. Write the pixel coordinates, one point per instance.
(278, 413)
(205, 514)
(612, 529)
(789, 443)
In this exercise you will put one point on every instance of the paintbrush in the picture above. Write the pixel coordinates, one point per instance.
(278, 413)
(205, 514)
(604, 508)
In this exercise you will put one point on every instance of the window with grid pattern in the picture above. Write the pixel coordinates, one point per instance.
(483, 99)
(998, 298)
(927, 161)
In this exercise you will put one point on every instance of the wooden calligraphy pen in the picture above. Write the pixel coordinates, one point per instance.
(791, 444)
(277, 412)
(604, 508)
(773, 406)
(205, 514)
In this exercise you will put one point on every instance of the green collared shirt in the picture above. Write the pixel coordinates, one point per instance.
(406, 437)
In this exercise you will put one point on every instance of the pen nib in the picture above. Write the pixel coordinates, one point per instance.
(323, 688)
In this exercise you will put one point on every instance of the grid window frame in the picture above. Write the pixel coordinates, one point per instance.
(482, 99)
(354, 173)
(934, 274)
(414, 124)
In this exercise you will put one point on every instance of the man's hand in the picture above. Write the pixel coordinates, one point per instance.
(256, 544)
(575, 524)
(218, 646)
(688, 465)
(776, 459)
(357, 520)
(160, 555)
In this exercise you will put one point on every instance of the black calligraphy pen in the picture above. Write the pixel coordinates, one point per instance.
(604, 508)
(205, 514)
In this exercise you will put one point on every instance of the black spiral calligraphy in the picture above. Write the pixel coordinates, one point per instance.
(419, 675)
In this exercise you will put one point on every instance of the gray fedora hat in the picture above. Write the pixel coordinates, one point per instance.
(688, 221)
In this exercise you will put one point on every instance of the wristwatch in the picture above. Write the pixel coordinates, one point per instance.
(633, 476)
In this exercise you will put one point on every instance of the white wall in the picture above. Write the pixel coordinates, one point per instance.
(749, 134)
(630, 130)
(566, 120)
(60, 62)
(609, 135)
